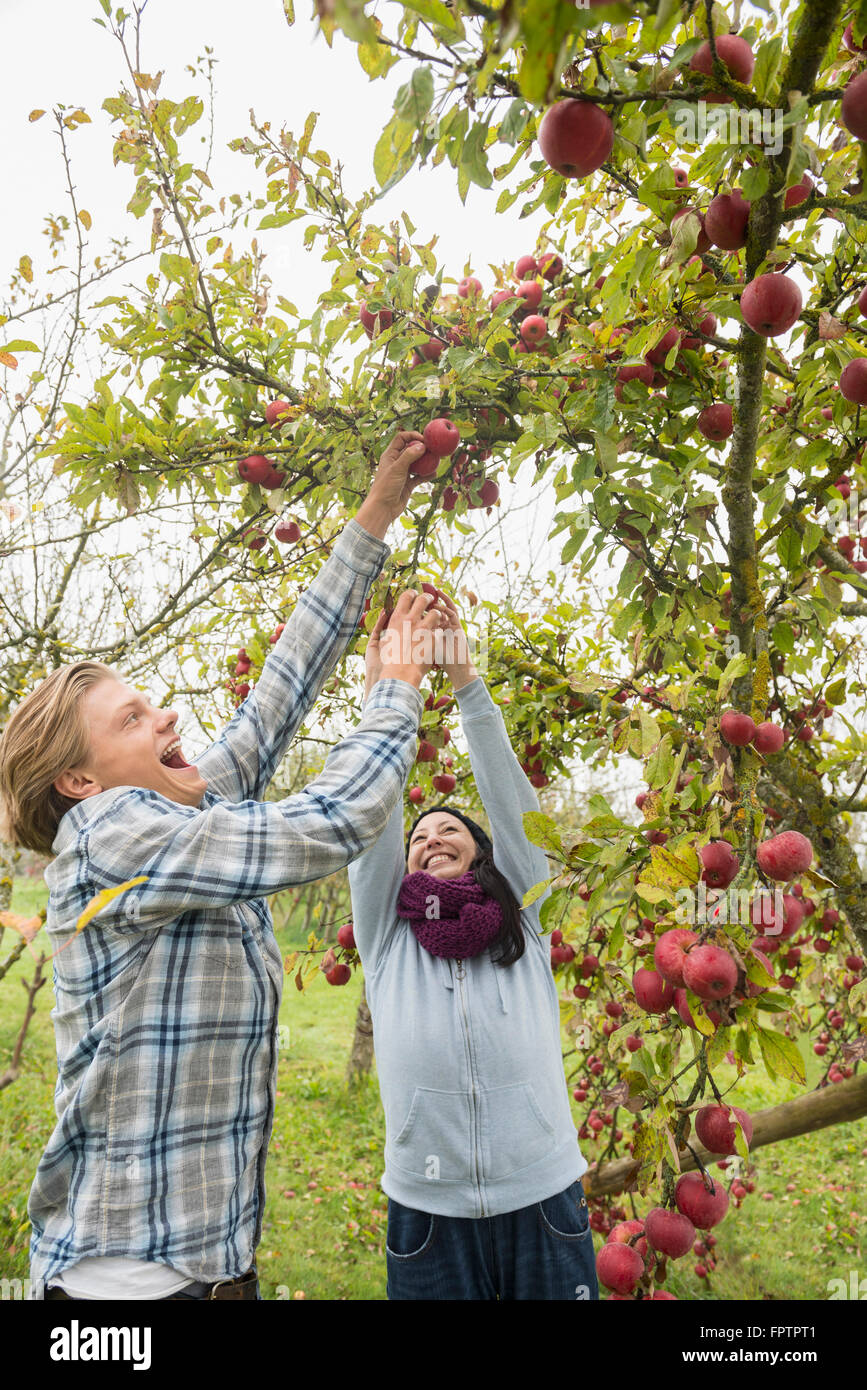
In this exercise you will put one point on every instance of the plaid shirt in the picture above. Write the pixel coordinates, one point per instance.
(166, 1003)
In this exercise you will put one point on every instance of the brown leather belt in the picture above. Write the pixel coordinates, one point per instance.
(245, 1289)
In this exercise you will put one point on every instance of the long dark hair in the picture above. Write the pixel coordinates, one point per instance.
(509, 943)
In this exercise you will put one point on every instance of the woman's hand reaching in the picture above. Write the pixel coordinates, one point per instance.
(458, 665)
(404, 644)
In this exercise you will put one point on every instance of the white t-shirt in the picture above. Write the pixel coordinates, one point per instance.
(115, 1276)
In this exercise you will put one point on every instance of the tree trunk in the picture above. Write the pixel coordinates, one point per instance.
(361, 1056)
(831, 1106)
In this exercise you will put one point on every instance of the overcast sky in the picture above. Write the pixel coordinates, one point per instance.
(55, 53)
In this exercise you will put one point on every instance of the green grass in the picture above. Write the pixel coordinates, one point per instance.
(324, 1225)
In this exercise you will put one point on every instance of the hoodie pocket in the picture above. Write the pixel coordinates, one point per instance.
(435, 1140)
(515, 1132)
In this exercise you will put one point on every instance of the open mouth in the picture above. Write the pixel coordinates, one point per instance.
(436, 859)
(172, 756)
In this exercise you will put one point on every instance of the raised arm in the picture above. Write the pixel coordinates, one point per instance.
(503, 787)
(242, 761)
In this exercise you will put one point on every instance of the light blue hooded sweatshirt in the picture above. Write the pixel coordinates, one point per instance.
(468, 1053)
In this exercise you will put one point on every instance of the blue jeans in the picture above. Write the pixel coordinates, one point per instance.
(540, 1252)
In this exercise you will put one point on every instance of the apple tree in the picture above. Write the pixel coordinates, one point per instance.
(677, 360)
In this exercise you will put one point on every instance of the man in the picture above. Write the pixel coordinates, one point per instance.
(151, 1186)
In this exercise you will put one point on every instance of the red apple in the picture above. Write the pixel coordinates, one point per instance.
(669, 1232)
(668, 953)
(798, 193)
(255, 468)
(441, 437)
(715, 422)
(287, 531)
(768, 738)
(704, 1207)
(445, 782)
(853, 107)
(849, 41)
(771, 304)
(659, 353)
(339, 974)
(619, 1267)
(275, 411)
(716, 1131)
(635, 371)
(531, 293)
(501, 297)
(534, 329)
(425, 465)
(733, 52)
(784, 856)
(653, 993)
(710, 972)
(469, 286)
(726, 220)
(681, 178)
(853, 379)
(346, 936)
(720, 864)
(416, 795)
(575, 137)
(550, 266)
(377, 322)
(426, 752)
(737, 728)
(524, 267)
(432, 350)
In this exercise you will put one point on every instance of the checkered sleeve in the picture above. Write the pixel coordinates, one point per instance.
(229, 852)
(243, 760)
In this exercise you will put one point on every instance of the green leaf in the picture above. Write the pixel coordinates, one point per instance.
(177, 268)
(718, 1046)
(436, 13)
(788, 547)
(541, 830)
(414, 98)
(735, 668)
(289, 11)
(536, 891)
(781, 1055)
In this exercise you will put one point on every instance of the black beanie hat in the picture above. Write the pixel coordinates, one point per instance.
(482, 839)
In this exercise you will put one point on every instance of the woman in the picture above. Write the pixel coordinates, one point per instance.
(482, 1165)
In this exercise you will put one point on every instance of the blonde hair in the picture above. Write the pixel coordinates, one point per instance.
(47, 734)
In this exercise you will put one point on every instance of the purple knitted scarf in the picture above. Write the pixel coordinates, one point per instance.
(468, 919)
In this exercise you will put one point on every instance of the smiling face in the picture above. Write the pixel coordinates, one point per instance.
(132, 744)
(441, 845)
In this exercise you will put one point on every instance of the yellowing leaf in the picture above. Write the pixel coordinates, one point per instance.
(25, 926)
(25, 268)
(34, 115)
(781, 1055)
(85, 219)
(104, 898)
(8, 360)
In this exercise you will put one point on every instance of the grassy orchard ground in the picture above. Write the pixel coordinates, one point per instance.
(324, 1227)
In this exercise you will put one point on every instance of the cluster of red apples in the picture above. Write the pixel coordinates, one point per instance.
(336, 969)
(260, 471)
(576, 137)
